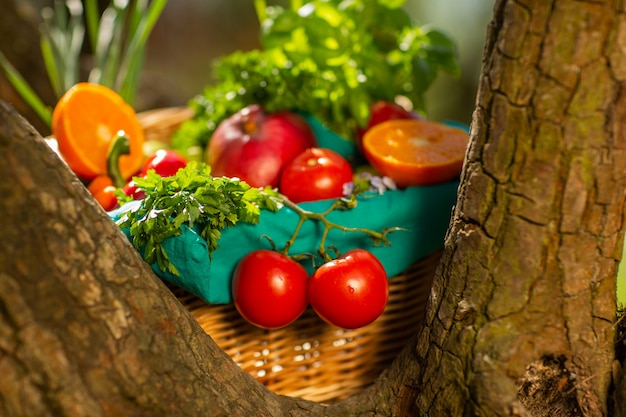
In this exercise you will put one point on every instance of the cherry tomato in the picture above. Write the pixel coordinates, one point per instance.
(103, 191)
(165, 162)
(350, 291)
(315, 174)
(269, 289)
(133, 191)
(382, 111)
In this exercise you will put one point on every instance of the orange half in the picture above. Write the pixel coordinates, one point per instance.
(85, 121)
(416, 152)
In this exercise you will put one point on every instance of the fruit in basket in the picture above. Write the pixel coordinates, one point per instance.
(350, 291)
(103, 191)
(315, 174)
(416, 152)
(254, 145)
(133, 190)
(269, 289)
(382, 111)
(164, 162)
(86, 120)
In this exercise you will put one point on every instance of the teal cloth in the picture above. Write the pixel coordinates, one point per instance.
(423, 211)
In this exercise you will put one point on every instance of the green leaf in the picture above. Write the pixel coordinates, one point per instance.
(330, 58)
(195, 199)
(24, 89)
(92, 18)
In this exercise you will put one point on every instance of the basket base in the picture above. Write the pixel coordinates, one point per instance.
(311, 359)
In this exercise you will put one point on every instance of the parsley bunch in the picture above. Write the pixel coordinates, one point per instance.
(208, 205)
(194, 198)
(329, 58)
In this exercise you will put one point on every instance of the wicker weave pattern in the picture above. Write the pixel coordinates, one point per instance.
(309, 359)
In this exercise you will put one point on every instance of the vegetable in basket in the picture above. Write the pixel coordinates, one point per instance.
(329, 58)
(316, 174)
(350, 291)
(269, 289)
(254, 145)
(88, 115)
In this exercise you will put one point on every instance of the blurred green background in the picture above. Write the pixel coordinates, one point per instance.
(192, 33)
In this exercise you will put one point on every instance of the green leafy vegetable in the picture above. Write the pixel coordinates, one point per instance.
(194, 198)
(330, 58)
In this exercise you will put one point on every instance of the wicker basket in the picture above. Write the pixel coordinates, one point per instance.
(309, 359)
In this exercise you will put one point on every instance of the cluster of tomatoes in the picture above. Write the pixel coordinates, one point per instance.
(271, 291)
(164, 162)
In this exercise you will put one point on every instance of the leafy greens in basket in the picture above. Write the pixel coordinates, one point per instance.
(328, 58)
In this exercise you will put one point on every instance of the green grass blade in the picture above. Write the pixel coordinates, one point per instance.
(134, 51)
(259, 7)
(111, 67)
(107, 48)
(24, 90)
(76, 36)
(139, 11)
(60, 15)
(129, 87)
(103, 43)
(92, 19)
(55, 39)
(51, 67)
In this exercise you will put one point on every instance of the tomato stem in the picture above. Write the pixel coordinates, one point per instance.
(379, 237)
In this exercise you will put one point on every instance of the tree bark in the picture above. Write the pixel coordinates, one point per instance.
(86, 329)
(527, 282)
(522, 310)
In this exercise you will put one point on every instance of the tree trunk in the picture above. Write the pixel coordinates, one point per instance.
(86, 328)
(523, 308)
(521, 315)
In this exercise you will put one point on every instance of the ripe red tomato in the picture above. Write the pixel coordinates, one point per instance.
(269, 289)
(350, 291)
(131, 189)
(315, 174)
(165, 162)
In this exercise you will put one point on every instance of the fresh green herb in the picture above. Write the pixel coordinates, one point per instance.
(117, 38)
(329, 58)
(194, 198)
(209, 204)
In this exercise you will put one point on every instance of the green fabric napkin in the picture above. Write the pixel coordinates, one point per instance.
(424, 213)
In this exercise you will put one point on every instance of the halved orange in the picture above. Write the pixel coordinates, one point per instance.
(85, 121)
(416, 152)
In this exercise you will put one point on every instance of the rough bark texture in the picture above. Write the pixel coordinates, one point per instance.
(528, 274)
(86, 329)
